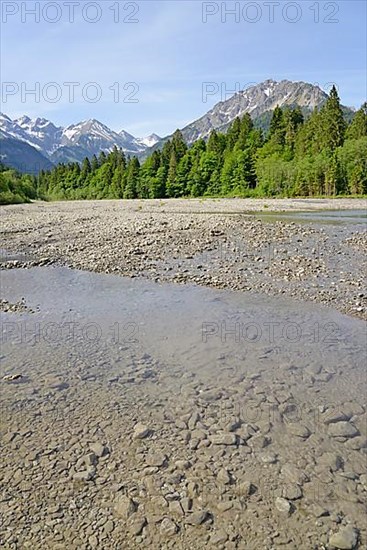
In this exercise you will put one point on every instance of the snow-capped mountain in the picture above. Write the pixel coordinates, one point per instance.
(255, 100)
(10, 129)
(42, 133)
(74, 142)
(149, 141)
(95, 137)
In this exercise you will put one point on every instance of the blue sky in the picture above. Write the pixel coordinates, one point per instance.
(169, 52)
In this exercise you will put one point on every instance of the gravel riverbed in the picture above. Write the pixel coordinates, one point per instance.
(164, 431)
(216, 243)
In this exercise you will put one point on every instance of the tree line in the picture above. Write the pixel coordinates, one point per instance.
(314, 156)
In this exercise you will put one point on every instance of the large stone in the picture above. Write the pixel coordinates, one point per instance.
(345, 539)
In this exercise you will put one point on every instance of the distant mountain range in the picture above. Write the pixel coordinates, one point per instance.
(33, 144)
(54, 144)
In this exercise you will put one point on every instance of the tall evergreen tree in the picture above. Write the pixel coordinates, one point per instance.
(358, 127)
(333, 125)
(132, 179)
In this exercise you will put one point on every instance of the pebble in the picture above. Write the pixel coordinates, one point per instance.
(331, 417)
(98, 449)
(137, 525)
(283, 505)
(219, 537)
(298, 430)
(108, 527)
(87, 475)
(223, 439)
(292, 491)
(168, 527)
(125, 506)
(197, 518)
(156, 459)
(175, 508)
(141, 431)
(245, 489)
(223, 476)
(343, 429)
(345, 539)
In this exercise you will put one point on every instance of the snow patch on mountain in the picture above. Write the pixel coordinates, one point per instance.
(149, 141)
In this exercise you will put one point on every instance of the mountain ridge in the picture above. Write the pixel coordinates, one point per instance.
(86, 138)
(71, 143)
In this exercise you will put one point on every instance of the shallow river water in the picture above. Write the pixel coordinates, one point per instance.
(242, 388)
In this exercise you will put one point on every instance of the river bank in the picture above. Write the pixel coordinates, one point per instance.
(231, 244)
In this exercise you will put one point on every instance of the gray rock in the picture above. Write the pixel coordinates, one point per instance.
(298, 430)
(343, 429)
(168, 527)
(292, 491)
(108, 527)
(156, 459)
(175, 508)
(197, 518)
(141, 431)
(137, 525)
(86, 475)
(98, 449)
(345, 539)
(282, 505)
(125, 506)
(223, 476)
(223, 439)
(330, 417)
(219, 537)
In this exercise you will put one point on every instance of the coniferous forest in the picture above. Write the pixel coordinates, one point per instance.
(319, 155)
